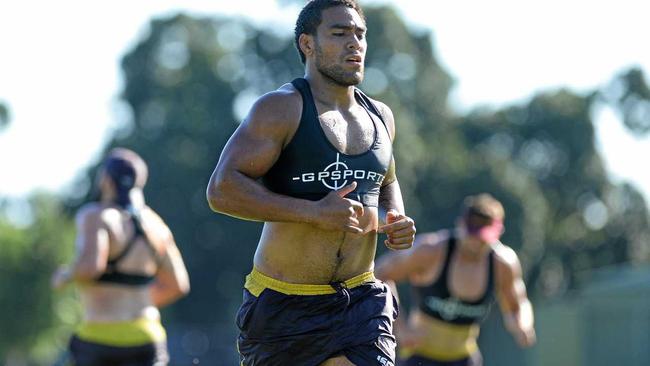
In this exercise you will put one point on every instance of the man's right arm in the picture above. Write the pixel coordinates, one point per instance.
(252, 150)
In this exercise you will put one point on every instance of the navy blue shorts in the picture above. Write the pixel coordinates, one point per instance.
(277, 329)
(93, 354)
(473, 360)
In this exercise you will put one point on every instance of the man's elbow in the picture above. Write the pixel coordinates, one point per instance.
(217, 197)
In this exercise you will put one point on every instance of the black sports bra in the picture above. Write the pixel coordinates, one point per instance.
(113, 275)
(437, 301)
(310, 167)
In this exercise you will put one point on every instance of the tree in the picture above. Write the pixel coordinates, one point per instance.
(630, 96)
(4, 116)
(34, 320)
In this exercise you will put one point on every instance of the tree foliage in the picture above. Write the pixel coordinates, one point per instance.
(629, 94)
(35, 237)
(4, 116)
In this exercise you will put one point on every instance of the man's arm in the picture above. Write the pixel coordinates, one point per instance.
(513, 300)
(399, 228)
(252, 150)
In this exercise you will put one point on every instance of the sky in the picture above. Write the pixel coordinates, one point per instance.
(60, 68)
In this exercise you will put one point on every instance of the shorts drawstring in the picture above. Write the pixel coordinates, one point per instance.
(342, 288)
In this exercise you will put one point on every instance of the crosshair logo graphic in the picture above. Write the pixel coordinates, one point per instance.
(337, 174)
(335, 167)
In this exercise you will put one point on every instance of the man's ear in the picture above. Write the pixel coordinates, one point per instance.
(307, 44)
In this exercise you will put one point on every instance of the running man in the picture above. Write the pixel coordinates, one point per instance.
(455, 277)
(314, 161)
(127, 266)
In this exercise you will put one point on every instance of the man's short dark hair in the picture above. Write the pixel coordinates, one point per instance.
(312, 14)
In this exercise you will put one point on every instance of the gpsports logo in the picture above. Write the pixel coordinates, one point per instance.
(337, 174)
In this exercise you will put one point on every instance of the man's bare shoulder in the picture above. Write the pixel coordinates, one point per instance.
(283, 105)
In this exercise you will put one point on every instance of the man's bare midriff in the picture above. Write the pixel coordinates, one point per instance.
(305, 254)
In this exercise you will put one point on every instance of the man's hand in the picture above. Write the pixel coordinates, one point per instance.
(338, 213)
(400, 230)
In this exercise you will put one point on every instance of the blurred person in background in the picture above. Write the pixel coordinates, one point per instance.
(127, 266)
(313, 160)
(455, 277)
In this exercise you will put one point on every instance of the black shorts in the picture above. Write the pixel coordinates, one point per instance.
(94, 354)
(279, 329)
(473, 360)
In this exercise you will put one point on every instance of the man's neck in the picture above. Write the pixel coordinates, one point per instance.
(329, 93)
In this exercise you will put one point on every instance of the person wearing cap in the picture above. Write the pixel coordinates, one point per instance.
(127, 266)
(455, 276)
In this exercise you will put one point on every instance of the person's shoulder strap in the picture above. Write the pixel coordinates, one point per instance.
(138, 233)
(490, 284)
(451, 246)
(368, 104)
(309, 112)
(302, 85)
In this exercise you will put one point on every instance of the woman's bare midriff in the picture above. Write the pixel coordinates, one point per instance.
(108, 302)
(442, 337)
(115, 303)
(305, 254)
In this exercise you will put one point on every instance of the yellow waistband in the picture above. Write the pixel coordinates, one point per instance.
(256, 282)
(129, 333)
(443, 355)
(444, 341)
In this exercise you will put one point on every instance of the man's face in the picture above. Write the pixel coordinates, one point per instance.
(340, 45)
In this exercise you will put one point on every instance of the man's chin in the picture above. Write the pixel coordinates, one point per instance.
(353, 80)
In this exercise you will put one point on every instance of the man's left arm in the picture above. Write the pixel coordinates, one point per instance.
(515, 306)
(399, 228)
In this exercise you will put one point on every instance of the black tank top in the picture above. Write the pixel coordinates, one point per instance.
(436, 301)
(310, 166)
(113, 275)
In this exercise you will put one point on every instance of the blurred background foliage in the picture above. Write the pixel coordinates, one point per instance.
(190, 80)
(4, 116)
